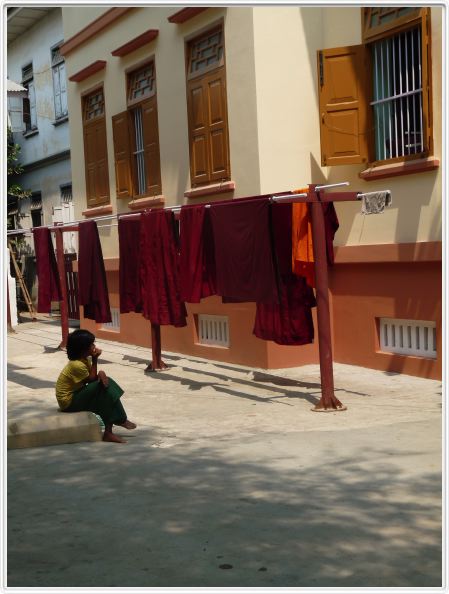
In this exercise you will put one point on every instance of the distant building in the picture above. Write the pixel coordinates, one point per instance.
(40, 119)
(176, 106)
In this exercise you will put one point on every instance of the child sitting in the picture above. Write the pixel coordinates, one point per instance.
(80, 387)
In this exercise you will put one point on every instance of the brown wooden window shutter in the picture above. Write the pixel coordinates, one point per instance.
(151, 147)
(96, 163)
(207, 109)
(344, 96)
(122, 155)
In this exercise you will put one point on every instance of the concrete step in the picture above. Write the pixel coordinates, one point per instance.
(60, 428)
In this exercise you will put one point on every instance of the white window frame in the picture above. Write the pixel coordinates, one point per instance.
(59, 84)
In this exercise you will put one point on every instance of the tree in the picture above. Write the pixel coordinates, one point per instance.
(15, 190)
(14, 169)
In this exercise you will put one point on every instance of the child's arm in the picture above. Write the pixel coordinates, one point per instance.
(94, 374)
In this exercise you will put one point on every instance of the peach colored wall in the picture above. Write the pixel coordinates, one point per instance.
(363, 292)
(360, 292)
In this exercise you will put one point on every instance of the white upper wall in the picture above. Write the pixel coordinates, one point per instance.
(34, 46)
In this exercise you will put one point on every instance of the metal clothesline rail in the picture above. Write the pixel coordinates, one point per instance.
(292, 197)
(328, 400)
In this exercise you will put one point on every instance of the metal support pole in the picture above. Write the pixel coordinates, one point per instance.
(156, 347)
(328, 401)
(63, 284)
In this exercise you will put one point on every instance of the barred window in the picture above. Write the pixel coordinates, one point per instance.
(94, 105)
(206, 52)
(141, 83)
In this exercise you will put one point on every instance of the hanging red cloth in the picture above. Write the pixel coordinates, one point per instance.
(129, 263)
(197, 258)
(93, 288)
(158, 270)
(49, 288)
(288, 322)
(244, 251)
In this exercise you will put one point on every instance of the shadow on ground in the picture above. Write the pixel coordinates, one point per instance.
(109, 515)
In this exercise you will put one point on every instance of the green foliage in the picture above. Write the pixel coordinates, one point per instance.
(14, 169)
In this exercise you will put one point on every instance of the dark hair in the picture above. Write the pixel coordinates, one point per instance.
(78, 343)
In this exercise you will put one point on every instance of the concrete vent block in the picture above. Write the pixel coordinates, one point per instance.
(60, 428)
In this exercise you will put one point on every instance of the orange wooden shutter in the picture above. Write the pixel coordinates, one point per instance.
(96, 163)
(344, 96)
(122, 155)
(218, 126)
(151, 147)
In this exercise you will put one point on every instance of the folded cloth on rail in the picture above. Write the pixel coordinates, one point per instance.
(375, 202)
(197, 258)
(288, 322)
(129, 262)
(49, 288)
(158, 269)
(244, 251)
(93, 287)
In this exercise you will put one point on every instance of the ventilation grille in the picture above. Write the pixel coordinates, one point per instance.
(408, 337)
(115, 324)
(213, 330)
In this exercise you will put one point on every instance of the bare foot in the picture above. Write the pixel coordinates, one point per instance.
(127, 424)
(109, 436)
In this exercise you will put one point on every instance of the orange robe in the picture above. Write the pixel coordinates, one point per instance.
(303, 262)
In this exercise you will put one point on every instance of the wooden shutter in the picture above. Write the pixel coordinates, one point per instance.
(344, 95)
(96, 163)
(151, 147)
(198, 131)
(122, 155)
(208, 128)
(218, 126)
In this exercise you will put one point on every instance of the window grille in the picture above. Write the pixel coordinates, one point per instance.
(27, 72)
(114, 326)
(213, 330)
(94, 105)
(56, 56)
(141, 83)
(66, 193)
(36, 201)
(408, 337)
(398, 100)
(139, 152)
(207, 52)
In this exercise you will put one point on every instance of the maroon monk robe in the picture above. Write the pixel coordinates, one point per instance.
(49, 288)
(158, 271)
(129, 250)
(93, 288)
(197, 260)
(244, 251)
(288, 322)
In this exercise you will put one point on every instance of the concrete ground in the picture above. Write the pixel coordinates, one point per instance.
(229, 480)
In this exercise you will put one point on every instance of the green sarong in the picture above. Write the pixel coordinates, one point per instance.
(101, 400)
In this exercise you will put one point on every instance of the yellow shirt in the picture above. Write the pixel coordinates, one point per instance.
(72, 378)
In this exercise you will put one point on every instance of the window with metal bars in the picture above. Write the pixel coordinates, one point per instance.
(66, 193)
(139, 159)
(398, 95)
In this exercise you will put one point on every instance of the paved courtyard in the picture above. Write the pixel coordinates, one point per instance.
(230, 480)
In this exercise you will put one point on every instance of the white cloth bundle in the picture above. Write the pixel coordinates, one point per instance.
(375, 202)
